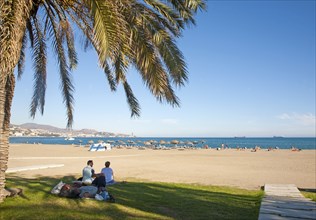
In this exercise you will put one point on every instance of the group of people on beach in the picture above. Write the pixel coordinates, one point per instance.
(90, 185)
(105, 177)
(295, 149)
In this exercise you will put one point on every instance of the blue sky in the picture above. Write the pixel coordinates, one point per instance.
(251, 73)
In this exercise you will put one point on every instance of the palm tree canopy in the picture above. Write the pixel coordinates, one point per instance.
(124, 33)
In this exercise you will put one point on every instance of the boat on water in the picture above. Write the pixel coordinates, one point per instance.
(278, 137)
(69, 139)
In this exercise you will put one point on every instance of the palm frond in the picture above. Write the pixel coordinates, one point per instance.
(166, 12)
(152, 71)
(83, 21)
(195, 5)
(170, 96)
(173, 59)
(65, 32)
(111, 80)
(108, 27)
(68, 34)
(13, 17)
(30, 32)
(66, 82)
(137, 13)
(21, 62)
(164, 45)
(39, 63)
(147, 60)
(123, 33)
(46, 26)
(131, 100)
(187, 8)
(120, 65)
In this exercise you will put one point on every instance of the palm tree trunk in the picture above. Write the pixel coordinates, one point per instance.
(6, 95)
(13, 17)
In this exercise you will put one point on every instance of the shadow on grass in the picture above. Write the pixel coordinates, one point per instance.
(307, 190)
(134, 200)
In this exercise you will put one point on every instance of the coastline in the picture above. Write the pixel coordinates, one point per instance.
(230, 167)
(196, 142)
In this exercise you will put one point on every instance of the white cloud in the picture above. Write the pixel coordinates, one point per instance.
(307, 119)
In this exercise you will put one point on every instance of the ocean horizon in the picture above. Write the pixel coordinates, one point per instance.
(197, 142)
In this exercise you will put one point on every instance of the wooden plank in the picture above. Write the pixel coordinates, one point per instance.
(274, 217)
(285, 202)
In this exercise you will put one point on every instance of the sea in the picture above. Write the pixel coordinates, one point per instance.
(307, 143)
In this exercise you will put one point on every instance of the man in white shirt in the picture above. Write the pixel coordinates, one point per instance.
(88, 173)
(89, 177)
(108, 173)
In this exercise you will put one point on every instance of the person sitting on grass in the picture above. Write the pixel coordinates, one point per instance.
(89, 177)
(88, 173)
(108, 173)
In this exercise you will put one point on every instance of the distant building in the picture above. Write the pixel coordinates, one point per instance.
(18, 134)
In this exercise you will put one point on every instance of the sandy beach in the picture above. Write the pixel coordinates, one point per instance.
(244, 169)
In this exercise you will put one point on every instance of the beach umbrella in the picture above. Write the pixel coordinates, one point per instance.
(162, 142)
(121, 143)
(147, 143)
(189, 143)
(174, 142)
(89, 143)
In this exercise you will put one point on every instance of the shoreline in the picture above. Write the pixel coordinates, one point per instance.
(229, 167)
(197, 142)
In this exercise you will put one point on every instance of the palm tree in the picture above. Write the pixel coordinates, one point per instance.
(124, 33)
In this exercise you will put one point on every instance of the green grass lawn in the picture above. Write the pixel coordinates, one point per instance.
(134, 200)
(310, 195)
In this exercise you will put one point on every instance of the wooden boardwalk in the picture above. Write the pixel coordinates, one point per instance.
(284, 201)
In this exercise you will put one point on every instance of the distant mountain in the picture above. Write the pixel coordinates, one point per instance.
(43, 127)
(87, 131)
(52, 129)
